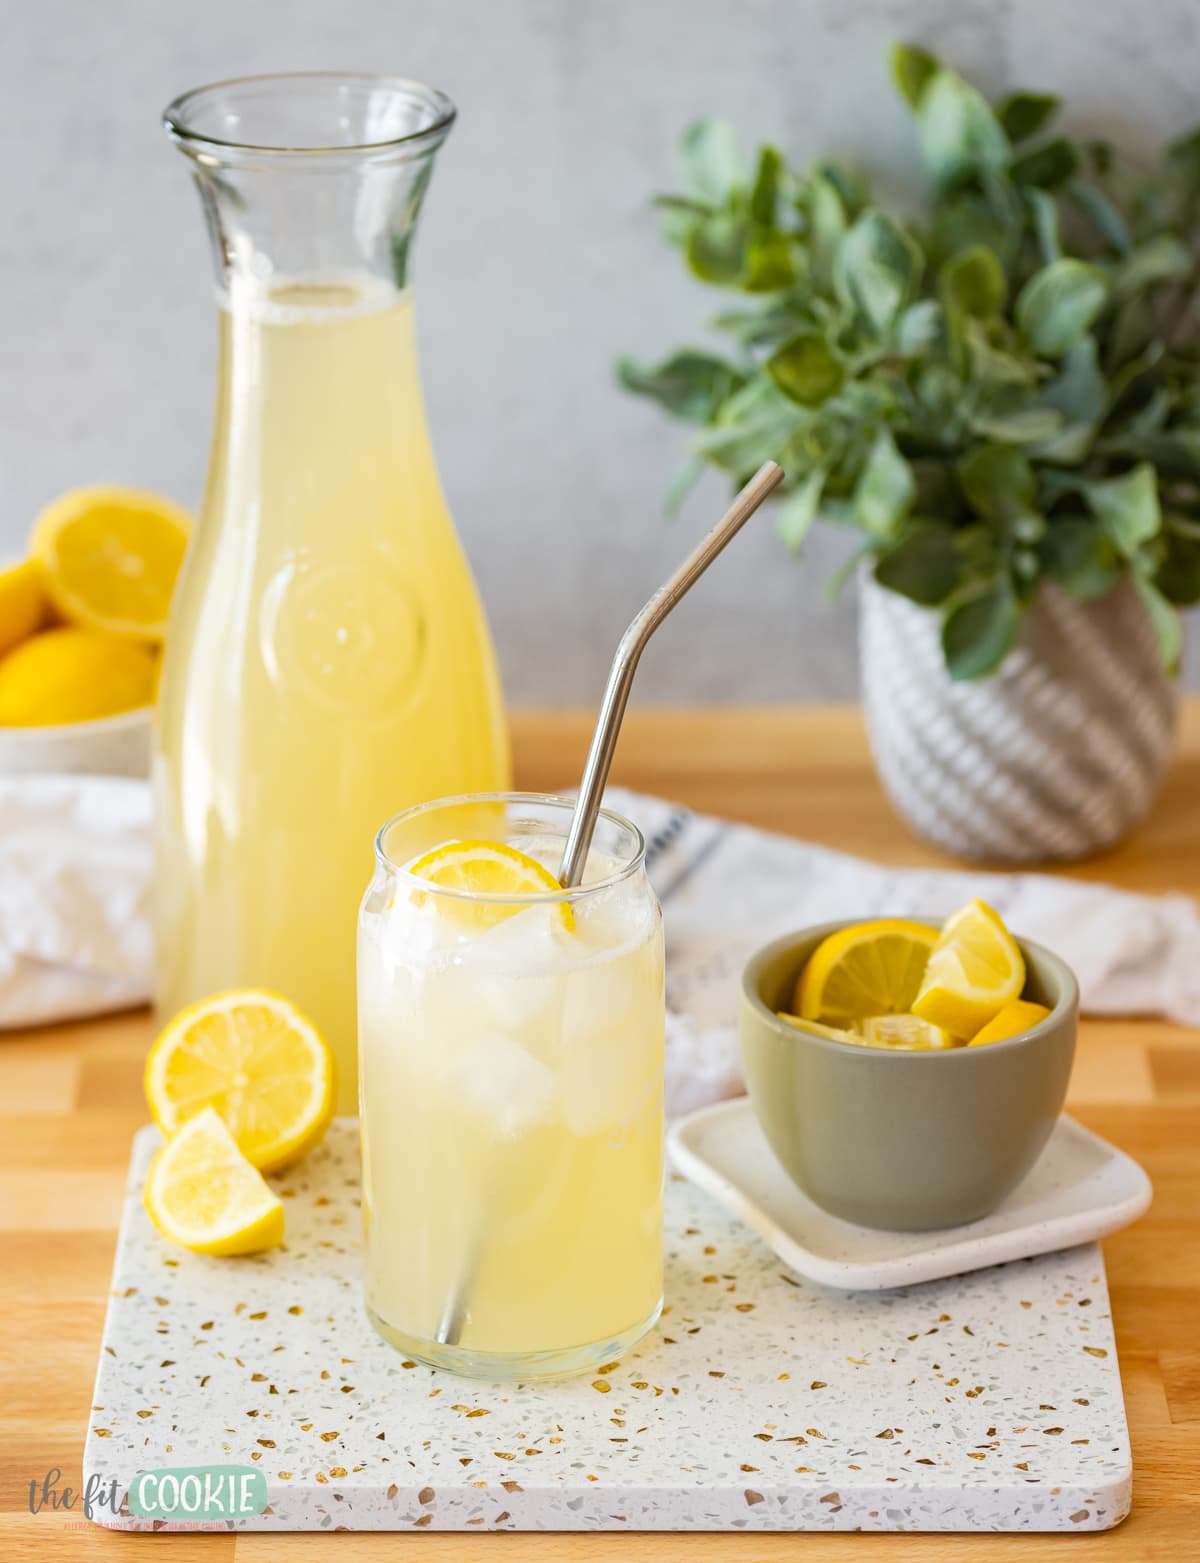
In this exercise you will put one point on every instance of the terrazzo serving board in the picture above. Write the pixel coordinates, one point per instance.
(764, 1401)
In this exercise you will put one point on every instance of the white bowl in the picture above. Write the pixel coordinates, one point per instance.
(111, 746)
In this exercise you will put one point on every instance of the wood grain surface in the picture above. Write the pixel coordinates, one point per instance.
(70, 1100)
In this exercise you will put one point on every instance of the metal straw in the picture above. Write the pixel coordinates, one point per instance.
(624, 666)
(599, 759)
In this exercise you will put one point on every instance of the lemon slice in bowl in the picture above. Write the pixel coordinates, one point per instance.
(487, 868)
(110, 557)
(202, 1193)
(974, 970)
(868, 969)
(254, 1059)
(832, 1033)
(904, 1033)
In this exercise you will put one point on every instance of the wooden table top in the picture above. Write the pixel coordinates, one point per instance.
(70, 1100)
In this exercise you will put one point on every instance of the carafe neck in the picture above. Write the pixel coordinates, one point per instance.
(308, 180)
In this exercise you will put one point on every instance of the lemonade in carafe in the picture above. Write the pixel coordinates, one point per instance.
(328, 660)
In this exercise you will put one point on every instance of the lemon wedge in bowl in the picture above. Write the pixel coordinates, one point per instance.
(974, 970)
(833, 1033)
(257, 1062)
(867, 969)
(110, 557)
(486, 869)
(203, 1194)
(904, 1033)
(1020, 1015)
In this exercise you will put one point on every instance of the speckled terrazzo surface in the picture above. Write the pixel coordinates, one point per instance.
(763, 1402)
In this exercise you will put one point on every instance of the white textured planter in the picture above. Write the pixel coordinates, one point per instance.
(1057, 755)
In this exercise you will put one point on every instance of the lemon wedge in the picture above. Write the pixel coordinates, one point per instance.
(833, 1033)
(487, 868)
(868, 969)
(974, 970)
(111, 556)
(72, 675)
(1014, 1018)
(202, 1193)
(254, 1059)
(907, 1033)
(24, 606)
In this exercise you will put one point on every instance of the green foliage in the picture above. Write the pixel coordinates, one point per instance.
(980, 629)
(1006, 392)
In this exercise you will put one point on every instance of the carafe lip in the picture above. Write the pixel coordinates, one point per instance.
(180, 126)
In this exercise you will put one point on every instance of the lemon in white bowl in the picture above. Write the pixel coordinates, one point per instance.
(81, 625)
(75, 700)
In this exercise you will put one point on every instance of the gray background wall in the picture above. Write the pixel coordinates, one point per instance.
(538, 262)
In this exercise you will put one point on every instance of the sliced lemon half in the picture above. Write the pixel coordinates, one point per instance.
(974, 970)
(202, 1193)
(254, 1059)
(487, 868)
(868, 969)
(110, 557)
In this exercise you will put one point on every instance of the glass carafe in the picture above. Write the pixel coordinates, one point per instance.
(328, 661)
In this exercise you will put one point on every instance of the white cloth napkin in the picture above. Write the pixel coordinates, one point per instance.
(76, 939)
(75, 929)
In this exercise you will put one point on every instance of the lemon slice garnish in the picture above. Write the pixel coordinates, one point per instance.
(487, 868)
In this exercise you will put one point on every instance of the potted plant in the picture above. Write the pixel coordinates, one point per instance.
(1002, 400)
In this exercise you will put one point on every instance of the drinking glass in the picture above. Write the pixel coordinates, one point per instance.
(511, 1097)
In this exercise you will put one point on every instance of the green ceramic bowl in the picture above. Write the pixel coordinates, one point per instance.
(906, 1141)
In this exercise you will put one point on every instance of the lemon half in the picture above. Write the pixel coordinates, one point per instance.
(111, 556)
(254, 1059)
(868, 969)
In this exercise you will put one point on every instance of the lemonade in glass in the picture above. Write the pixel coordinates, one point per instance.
(511, 1089)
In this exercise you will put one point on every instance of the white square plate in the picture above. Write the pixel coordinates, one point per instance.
(1081, 1188)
